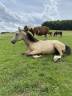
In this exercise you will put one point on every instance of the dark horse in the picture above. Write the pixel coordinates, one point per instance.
(40, 30)
(58, 33)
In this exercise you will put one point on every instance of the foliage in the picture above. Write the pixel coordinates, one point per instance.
(59, 25)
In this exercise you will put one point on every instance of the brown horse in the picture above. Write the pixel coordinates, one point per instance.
(40, 30)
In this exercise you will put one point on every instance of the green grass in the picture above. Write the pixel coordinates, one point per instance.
(25, 76)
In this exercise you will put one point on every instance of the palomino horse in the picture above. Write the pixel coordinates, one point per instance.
(40, 47)
(40, 30)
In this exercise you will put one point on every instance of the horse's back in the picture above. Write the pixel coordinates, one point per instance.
(58, 44)
(41, 30)
(44, 47)
(55, 43)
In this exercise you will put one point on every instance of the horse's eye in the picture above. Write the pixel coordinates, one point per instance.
(16, 34)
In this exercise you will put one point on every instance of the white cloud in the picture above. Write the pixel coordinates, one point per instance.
(12, 20)
(51, 10)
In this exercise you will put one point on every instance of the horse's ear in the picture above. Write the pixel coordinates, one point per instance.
(19, 29)
(26, 28)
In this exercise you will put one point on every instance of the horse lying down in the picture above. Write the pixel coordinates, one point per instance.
(37, 48)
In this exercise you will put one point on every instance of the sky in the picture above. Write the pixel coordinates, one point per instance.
(15, 13)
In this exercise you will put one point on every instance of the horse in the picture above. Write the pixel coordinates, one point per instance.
(41, 47)
(50, 33)
(58, 33)
(40, 30)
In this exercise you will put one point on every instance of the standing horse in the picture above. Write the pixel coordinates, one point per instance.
(40, 30)
(58, 33)
(40, 47)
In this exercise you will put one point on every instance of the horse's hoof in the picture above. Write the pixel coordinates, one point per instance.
(22, 53)
(56, 58)
(36, 56)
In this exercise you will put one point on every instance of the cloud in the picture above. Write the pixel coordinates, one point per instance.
(51, 10)
(11, 20)
(14, 1)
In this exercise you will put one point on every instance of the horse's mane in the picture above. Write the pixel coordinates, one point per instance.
(31, 38)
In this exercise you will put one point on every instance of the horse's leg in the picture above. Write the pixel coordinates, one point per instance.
(26, 52)
(54, 34)
(36, 56)
(59, 49)
(33, 34)
(46, 36)
(35, 52)
(57, 57)
(51, 34)
(61, 34)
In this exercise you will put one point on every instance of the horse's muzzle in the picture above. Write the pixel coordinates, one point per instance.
(13, 41)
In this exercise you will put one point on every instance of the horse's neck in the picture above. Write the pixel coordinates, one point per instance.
(27, 42)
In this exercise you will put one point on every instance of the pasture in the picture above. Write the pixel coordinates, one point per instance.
(25, 76)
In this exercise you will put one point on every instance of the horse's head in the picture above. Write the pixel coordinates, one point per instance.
(26, 28)
(19, 35)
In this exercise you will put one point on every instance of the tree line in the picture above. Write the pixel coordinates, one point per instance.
(59, 24)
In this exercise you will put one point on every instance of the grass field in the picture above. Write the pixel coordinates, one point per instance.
(25, 76)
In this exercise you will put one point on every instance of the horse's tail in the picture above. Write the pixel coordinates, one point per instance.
(67, 50)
